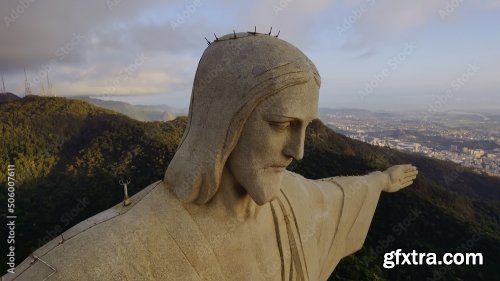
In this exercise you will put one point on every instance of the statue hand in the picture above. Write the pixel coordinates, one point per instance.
(400, 176)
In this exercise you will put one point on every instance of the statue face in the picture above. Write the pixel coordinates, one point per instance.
(272, 137)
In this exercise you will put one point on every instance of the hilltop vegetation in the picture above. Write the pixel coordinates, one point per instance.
(67, 152)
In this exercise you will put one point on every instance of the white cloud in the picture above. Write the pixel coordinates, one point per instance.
(373, 21)
(33, 31)
(87, 44)
(84, 44)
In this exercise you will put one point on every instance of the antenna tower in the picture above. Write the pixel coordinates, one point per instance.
(49, 86)
(27, 86)
(3, 86)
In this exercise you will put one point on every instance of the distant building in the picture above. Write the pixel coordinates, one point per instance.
(413, 147)
(465, 150)
(378, 142)
(478, 153)
(453, 148)
(417, 147)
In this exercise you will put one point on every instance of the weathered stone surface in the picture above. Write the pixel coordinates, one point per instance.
(227, 209)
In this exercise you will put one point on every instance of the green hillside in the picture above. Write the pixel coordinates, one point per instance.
(69, 156)
(67, 152)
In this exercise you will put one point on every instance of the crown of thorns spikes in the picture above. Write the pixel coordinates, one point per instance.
(217, 39)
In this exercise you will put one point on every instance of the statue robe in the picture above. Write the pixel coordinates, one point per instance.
(317, 222)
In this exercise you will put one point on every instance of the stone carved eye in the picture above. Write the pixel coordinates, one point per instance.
(280, 125)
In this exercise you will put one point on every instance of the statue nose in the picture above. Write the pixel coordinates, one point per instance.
(295, 145)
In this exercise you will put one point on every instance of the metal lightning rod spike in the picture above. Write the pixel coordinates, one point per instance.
(270, 31)
(216, 38)
(234, 32)
(208, 42)
(126, 200)
(278, 34)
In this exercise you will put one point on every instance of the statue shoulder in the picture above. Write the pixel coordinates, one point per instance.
(45, 261)
(296, 185)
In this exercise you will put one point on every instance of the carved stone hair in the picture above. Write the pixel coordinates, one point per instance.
(235, 73)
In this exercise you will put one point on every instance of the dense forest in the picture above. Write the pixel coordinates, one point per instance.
(69, 156)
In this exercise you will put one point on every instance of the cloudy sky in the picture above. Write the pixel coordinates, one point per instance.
(372, 54)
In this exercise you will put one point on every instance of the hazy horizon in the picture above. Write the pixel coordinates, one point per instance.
(184, 104)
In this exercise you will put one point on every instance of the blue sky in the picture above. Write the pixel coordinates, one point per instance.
(374, 54)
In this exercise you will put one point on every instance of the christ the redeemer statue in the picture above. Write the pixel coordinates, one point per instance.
(227, 208)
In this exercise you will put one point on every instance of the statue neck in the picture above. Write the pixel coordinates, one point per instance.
(234, 198)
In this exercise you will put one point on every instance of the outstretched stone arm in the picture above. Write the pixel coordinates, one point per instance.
(349, 206)
(391, 180)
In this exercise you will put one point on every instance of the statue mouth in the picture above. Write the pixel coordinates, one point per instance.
(278, 167)
(281, 166)
(276, 170)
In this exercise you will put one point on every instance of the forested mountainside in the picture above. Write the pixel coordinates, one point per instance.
(67, 152)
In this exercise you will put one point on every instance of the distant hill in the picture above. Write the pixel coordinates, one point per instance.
(68, 150)
(138, 112)
(8, 97)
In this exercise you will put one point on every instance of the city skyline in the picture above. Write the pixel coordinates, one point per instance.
(377, 55)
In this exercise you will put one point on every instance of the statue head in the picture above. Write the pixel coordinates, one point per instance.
(253, 95)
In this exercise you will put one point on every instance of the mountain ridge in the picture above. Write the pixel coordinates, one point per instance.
(8, 97)
(138, 112)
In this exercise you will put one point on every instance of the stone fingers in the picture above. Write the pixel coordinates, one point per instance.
(406, 184)
(409, 177)
(409, 168)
